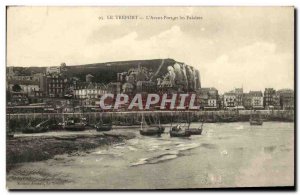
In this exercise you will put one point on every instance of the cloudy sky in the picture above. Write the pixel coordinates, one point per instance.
(231, 47)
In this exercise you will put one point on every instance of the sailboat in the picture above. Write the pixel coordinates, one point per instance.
(74, 124)
(179, 131)
(161, 128)
(194, 131)
(149, 130)
(186, 130)
(255, 119)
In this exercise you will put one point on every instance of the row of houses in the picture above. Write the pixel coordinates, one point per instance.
(55, 84)
(209, 99)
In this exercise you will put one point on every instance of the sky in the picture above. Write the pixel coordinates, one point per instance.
(249, 47)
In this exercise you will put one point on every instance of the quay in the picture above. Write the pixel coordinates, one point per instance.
(164, 116)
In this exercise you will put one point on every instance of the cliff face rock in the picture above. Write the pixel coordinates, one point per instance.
(167, 71)
(175, 72)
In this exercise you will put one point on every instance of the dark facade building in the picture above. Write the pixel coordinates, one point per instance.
(239, 96)
(286, 99)
(269, 94)
(52, 86)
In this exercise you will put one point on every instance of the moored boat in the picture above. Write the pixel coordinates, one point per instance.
(103, 127)
(195, 131)
(71, 125)
(34, 130)
(255, 122)
(255, 119)
(179, 131)
(75, 127)
(40, 128)
(150, 130)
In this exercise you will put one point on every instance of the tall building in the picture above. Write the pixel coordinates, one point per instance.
(286, 99)
(257, 99)
(239, 96)
(52, 85)
(269, 94)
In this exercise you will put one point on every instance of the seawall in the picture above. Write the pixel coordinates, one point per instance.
(124, 118)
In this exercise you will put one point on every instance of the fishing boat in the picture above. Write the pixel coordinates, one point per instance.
(255, 119)
(179, 131)
(40, 128)
(72, 125)
(195, 131)
(149, 130)
(154, 125)
(103, 127)
(185, 130)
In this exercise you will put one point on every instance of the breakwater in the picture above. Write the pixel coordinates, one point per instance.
(129, 118)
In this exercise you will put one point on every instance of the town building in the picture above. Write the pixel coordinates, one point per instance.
(57, 70)
(17, 99)
(229, 100)
(269, 94)
(239, 96)
(53, 70)
(247, 101)
(286, 99)
(89, 90)
(208, 98)
(52, 85)
(256, 99)
(276, 101)
(28, 87)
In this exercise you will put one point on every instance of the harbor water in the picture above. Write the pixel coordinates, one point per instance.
(225, 155)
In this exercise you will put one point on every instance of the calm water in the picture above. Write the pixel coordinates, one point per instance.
(229, 154)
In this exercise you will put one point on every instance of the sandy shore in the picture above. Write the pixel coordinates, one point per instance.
(37, 147)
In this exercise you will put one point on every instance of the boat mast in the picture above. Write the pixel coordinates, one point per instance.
(171, 119)
(189, 122)
(142, 121)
